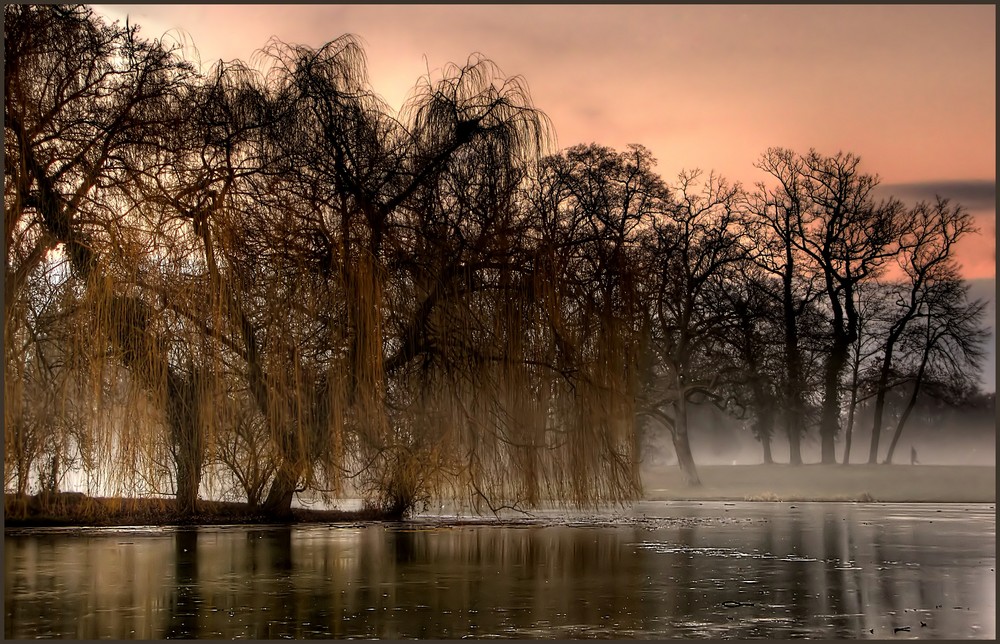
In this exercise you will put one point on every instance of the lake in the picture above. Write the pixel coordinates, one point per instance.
(720, 570)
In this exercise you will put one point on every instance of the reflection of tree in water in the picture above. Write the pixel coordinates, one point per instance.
(800, 574)
(186, 599)
(886, 597)
(851, 574)
(283, 580)
(488, 581)
(56, 622)
(405, 545)
(554, 581)
(279, 550)
(785, 588)
(837, 600)
(684, 602)
(383, 581)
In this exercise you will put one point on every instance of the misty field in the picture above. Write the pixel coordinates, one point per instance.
(885, 483)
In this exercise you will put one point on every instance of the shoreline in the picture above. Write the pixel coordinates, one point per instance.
(720, 483)
(77, 511)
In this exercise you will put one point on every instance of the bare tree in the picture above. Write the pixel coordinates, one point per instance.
(774, 213)
(694, 253)
(926, 258)
(361, 179)
(947, 341)
(755, 352)
(871, 309)
(848, 237)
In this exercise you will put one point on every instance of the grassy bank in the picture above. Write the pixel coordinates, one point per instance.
(80, 510)
(884, 483)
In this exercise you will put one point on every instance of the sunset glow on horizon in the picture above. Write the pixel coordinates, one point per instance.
(909, 89)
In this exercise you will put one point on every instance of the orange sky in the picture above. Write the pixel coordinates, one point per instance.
(911, 89)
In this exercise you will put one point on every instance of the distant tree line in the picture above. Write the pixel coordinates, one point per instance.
(254, 282)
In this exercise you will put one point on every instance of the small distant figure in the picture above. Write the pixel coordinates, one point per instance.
(913, 456)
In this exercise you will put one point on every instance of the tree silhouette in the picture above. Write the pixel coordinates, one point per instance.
(848, 237)
(926, 257)
(695, 253)
(947, 343)
(774, 213)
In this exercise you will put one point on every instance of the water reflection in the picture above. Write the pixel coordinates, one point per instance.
(745, 571)
(186, 598)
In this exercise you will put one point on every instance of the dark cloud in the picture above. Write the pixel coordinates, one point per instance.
(973, 194)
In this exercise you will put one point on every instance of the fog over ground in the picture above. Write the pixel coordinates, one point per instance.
(986, 289)
(719, 440)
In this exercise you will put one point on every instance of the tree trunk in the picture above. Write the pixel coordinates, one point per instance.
(830, 419)
(764, 429)
(850, 423)
(793, 361)
(764, 423)
(188, 482)
(182, 418)
(794, 432)
(278, 503)
(683, 446)
(766, 444)
(183, 607)
(883, 384)
(910, 404)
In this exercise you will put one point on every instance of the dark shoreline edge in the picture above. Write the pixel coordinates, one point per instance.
(79, 511)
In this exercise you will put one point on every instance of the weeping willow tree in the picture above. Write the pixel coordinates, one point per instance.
(263, 279)
(595, 208)
(84, 102)
(479, 358)
(414, 233)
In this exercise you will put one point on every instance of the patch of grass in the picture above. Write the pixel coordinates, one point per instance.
(80, 510)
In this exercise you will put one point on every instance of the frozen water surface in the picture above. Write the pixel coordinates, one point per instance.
(743, 570)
